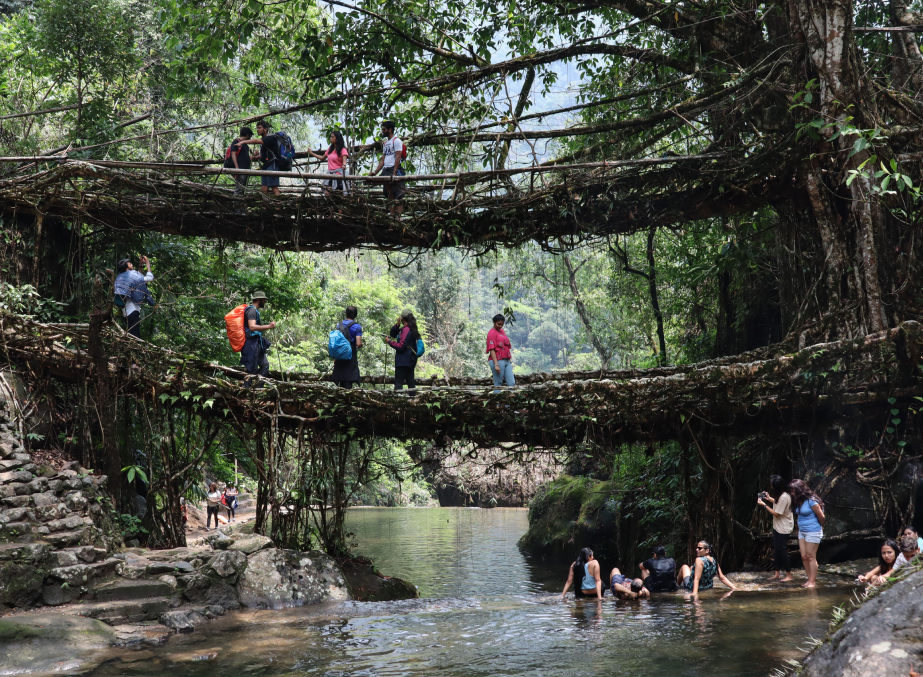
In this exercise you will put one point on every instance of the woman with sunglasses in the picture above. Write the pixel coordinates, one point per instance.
(702, 577)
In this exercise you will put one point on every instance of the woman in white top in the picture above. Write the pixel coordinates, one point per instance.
(783, 523)
(213, 502)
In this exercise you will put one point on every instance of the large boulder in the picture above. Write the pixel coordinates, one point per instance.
(882, 637)
(51, 642)
(367, 585)
(275, 579)
(215, 584)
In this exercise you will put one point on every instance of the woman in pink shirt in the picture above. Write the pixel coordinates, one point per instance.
(499, 351)
(335, 156)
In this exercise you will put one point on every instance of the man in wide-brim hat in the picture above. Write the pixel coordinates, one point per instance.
(253, 356)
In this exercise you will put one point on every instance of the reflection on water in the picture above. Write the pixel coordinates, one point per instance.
(489, 611)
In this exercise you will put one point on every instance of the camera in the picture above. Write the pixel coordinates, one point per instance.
(764, 495)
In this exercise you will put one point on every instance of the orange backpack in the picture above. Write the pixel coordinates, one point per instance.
(235, 323)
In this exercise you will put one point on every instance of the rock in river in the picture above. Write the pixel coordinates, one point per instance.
(52, 642)
(275, 579)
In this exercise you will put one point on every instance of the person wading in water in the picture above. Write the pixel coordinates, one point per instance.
(584, 575)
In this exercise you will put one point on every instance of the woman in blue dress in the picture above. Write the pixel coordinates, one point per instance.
(809, 509)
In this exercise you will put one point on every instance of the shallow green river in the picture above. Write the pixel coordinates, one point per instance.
(486, 610)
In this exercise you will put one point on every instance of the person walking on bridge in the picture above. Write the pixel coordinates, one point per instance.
(131, 286)
(500, 355)
(253, 356)
(391, 158)
(269, 154)
(346, 372)
(404, 337)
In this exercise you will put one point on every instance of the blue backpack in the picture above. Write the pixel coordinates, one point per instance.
(286, 151)
(338, 345)
(420, 348)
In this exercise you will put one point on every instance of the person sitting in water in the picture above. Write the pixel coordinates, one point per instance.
(910, 549)
(626, 588)
(584, 575)
(659, 573)
(908, 530)
(886, 560)
(702, 577)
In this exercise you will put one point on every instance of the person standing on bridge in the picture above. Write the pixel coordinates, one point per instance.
(346, 372)
(404, 337)
(335, 156)
(253, 356)
(239, 158)
(500, 355)
(269, 154)
(392, 156)
(131, 287)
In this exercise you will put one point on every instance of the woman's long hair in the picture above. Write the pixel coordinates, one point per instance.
(801, 492)
(339, 145)
(582, 559)
(884, 567)
(412, 323)
(777, 486)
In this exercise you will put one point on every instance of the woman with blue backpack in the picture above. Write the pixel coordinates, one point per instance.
(404, 339)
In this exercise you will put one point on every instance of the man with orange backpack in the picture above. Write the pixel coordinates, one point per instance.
(253, 356)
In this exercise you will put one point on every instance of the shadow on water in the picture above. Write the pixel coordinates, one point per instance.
(487, 610)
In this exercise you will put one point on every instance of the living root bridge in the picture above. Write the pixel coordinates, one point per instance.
(471, 210)
(789, 392)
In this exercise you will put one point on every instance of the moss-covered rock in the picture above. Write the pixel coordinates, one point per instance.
(20, 583)
(51, 642)
(571, 513)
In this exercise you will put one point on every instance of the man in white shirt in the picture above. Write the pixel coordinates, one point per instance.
(910, 549)
(132, 310)
(392, 154)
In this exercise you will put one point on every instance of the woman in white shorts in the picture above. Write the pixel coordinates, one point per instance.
(809, 509)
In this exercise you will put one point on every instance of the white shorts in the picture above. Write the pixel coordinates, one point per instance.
(811, 536)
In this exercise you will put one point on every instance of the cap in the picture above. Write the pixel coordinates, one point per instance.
(407, 312)
(257, 295)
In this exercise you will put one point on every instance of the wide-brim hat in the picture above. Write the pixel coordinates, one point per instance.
(257, 295)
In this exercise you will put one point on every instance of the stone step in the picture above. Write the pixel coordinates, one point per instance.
(121, 611)
(121, 589)
(17, 532)
(62, 539)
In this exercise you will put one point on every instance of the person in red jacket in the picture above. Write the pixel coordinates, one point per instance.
(500, 356)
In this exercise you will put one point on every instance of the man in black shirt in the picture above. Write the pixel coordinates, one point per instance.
(659, 573)
(239, 158)
(269, 154)
(253, 356)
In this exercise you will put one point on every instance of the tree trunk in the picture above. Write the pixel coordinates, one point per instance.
(655, 300)
(106, 400)
(604, 353)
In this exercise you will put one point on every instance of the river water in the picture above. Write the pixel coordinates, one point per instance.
(488, 611)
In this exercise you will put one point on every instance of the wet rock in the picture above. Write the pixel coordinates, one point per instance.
(882, 637)
(147, 633)
(52, 642)
(251, 543)
(275, 579)
(366, 585)
(185, 620)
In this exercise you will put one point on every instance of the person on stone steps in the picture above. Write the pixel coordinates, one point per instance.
(778, 503)
(658, 574)
(624, 587)
(346, 372)
(212, 504)
(887, 558)
(809, 509)
(253, 356)
(583, 574)
(404, 337)
(701, 576)
(229, 498)
(910, 550)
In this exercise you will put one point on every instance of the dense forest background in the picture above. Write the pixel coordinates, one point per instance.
(805, 260)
